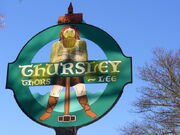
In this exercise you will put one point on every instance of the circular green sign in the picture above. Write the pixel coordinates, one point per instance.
(105, 100)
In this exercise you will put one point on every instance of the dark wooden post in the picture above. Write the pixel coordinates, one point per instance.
(66, 131)
(70, 17)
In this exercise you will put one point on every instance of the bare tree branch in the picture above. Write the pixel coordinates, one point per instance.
(160, 99)
(2, 23)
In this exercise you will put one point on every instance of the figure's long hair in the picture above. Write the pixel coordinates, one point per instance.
(72, 27)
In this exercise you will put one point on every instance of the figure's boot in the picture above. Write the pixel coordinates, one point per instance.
(52, 101)
(84, 103)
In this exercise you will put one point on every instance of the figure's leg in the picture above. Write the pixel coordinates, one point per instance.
(83, 100)
(52, 101)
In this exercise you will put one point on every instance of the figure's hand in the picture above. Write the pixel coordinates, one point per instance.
(79, 58)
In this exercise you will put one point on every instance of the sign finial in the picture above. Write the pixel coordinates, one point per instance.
(70, 8)
(70, 17)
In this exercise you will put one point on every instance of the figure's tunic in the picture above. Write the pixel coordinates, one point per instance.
(77, 53)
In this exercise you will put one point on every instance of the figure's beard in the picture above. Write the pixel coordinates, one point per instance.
(69, 42)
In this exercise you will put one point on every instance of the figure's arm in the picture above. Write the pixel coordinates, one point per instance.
(83, 50)
(54, 53)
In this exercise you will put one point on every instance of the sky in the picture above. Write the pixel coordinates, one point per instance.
(137, 25)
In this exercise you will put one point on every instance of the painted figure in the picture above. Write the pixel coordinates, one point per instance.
(69, 48)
